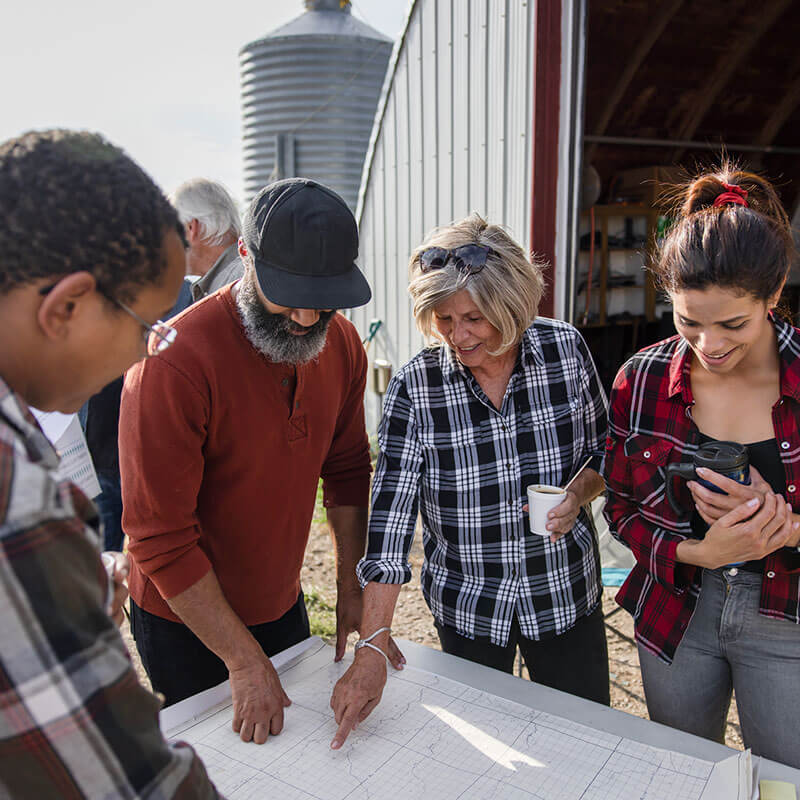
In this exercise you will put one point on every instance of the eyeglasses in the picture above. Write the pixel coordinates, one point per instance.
(158, 336)
(469, 258)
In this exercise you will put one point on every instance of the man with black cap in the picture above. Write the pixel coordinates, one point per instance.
(222, 445)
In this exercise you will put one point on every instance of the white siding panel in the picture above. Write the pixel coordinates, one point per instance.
(497, 87)
(403, 185)
(443, 85)
(453, 135)
(416, 131)
(518, 121)
(462, 72)
(377, 232)
(478, 104)
(429, 199)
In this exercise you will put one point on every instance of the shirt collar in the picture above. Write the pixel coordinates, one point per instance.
(531, 352)
(679, 371)
(205, 281)
(788, 348)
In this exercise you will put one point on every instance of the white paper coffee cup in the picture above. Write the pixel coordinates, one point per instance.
(541, 498)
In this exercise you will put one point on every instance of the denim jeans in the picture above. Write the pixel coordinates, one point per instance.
(728, 646)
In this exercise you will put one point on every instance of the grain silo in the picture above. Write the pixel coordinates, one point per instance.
(309, 94)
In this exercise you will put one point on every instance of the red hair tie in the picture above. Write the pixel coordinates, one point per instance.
(732, 194)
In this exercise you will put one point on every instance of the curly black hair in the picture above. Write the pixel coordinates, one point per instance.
(71, 201)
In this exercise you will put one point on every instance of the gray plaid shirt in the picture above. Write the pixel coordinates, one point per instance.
(447, 453)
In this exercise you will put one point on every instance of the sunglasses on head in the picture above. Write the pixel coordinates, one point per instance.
(469, 258)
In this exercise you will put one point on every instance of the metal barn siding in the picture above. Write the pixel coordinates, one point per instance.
(309, 94)
(452, 135)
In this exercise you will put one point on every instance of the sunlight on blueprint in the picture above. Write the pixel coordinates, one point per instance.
(432, 737)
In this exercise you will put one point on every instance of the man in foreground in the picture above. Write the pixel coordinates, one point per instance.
(91, 256)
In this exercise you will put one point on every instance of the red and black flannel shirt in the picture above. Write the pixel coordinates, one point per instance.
(650, 425)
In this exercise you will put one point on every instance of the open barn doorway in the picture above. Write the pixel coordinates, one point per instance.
(667, 85)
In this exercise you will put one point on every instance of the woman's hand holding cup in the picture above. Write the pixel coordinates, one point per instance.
(552, 511)
(712, 505)
(749, 532)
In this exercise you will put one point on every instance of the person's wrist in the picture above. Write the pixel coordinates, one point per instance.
(694, 551)
(246, 657)
(348, 586)
(371, 657)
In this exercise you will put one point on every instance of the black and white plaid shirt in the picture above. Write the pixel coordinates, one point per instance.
(447, 453)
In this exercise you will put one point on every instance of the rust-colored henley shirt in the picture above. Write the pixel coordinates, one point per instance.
(221, 451)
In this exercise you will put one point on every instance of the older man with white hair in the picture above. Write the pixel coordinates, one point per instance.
(211, 220)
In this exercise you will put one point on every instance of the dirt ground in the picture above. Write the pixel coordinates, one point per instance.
(413, 622)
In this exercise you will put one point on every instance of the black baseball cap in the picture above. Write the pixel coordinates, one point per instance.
(304, 242)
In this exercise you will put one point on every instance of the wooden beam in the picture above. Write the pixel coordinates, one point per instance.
(735, 53)
(777, 119)
(546, 108)
(651, 35)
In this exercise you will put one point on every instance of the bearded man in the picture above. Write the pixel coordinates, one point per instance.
(223, 441)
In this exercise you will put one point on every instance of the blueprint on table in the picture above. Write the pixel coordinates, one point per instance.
(431, 737)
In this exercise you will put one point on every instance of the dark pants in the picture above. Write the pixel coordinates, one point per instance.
(109, 504)
(180, 665)
(574, 662)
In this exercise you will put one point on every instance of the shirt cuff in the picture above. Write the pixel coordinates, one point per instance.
(353, 491)
(667, 570)
(181, 573)
(382, 571)
(596, 463)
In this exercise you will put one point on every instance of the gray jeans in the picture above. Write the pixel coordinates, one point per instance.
(730, 646)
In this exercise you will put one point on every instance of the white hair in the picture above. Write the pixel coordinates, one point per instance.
(210, 203)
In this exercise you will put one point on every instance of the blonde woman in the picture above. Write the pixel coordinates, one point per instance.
(502, 400)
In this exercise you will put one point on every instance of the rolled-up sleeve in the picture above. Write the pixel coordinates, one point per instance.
(595, 415)
(162, 431)
(395, 492)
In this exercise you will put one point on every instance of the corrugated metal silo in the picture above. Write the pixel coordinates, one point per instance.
(309, 94)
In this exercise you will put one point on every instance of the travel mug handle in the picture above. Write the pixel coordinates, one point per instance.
(685, 471)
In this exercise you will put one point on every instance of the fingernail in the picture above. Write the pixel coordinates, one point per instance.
(795, 525)
(752, 502)
(701, 471)
(335, 745)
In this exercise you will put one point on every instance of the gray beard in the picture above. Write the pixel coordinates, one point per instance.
(271, 334)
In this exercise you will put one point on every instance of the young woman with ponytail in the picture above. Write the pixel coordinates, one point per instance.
(715, 589)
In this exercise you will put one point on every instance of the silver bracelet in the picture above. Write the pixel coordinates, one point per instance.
(368, 642)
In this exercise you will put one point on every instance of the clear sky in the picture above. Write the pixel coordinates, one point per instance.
(157, 77)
